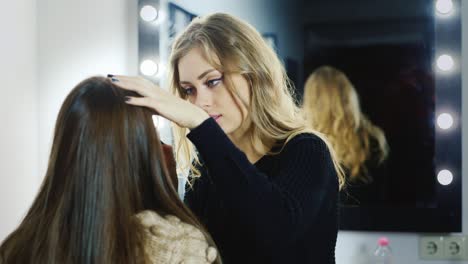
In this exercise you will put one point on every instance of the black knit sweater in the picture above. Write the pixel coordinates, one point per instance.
(282, 209)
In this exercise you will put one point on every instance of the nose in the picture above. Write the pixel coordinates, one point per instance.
(204, 98)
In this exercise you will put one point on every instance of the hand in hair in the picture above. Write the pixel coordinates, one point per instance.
(169, 240)
(177, 110)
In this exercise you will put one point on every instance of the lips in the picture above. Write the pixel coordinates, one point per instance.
(215, 117)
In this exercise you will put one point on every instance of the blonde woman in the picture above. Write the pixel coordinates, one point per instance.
(267, 186)
(332, 107)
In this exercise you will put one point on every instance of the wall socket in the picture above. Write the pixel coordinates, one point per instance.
(431, 247)
(454, 247)
(443, 247)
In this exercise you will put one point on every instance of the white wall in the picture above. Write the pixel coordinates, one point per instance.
(78, 39)
(47, 47)
(18, 111)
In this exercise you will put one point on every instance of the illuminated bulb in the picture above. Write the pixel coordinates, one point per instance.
(445, 121)
(445, 177)
(445, 62)
(444, 6)
(149, 67)
(148, 13)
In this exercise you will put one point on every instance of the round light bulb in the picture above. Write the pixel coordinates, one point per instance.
(149, 67)
(444, 6)
(445, 62)
(148, 13)
(445, 177)
(445, 121)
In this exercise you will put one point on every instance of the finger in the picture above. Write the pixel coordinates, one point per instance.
(125, 83)
(120, 77)
(131, 83)
(145, 102)
(140, 101)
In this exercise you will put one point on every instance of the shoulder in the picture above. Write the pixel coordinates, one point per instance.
(312, 137)
(167, 226)
(308, 142)
(167, 239)
(307, 152)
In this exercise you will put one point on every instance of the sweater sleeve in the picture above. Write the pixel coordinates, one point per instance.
(275, 211)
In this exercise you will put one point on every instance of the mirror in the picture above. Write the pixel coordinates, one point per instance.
(388, 49)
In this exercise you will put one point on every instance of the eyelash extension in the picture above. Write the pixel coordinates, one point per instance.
(207, 83)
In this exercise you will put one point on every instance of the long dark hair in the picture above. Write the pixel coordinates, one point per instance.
(106, 165)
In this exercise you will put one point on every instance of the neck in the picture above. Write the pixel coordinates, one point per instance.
(242, 142)
(248, 149)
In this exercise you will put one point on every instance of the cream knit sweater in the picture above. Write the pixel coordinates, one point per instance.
(169, 240)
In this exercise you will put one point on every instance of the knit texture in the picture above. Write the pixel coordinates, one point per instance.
(282, 209)
(169, 240)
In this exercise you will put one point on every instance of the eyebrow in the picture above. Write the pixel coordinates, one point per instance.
(201, 75)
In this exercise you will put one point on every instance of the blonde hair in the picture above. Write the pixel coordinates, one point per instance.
(274, 115)
(331, 105)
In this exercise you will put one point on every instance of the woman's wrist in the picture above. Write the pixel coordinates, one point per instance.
(199, 118)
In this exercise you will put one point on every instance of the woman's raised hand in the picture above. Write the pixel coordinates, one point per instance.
(177, 110)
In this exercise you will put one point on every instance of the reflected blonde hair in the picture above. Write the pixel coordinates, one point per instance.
(274, 114)
(332, 106)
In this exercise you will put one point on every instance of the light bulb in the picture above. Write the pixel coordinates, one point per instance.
(445, 177)
(444, 6)
(445, 62)
(148, 13)
(149, 67)
(445, 121)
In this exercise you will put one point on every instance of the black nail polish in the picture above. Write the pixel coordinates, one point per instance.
(110, 75)
(114, 79)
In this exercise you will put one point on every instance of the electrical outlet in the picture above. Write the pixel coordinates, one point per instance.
(454, 247)
(431, 247)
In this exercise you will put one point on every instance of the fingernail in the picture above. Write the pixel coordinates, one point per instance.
(114, 79)
(127, 98)
(110, 75)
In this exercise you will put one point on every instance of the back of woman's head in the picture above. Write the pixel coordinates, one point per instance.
(330, 99)
(106, 165)
(331, 106)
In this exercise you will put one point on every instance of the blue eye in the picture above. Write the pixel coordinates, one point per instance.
(214, 82)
